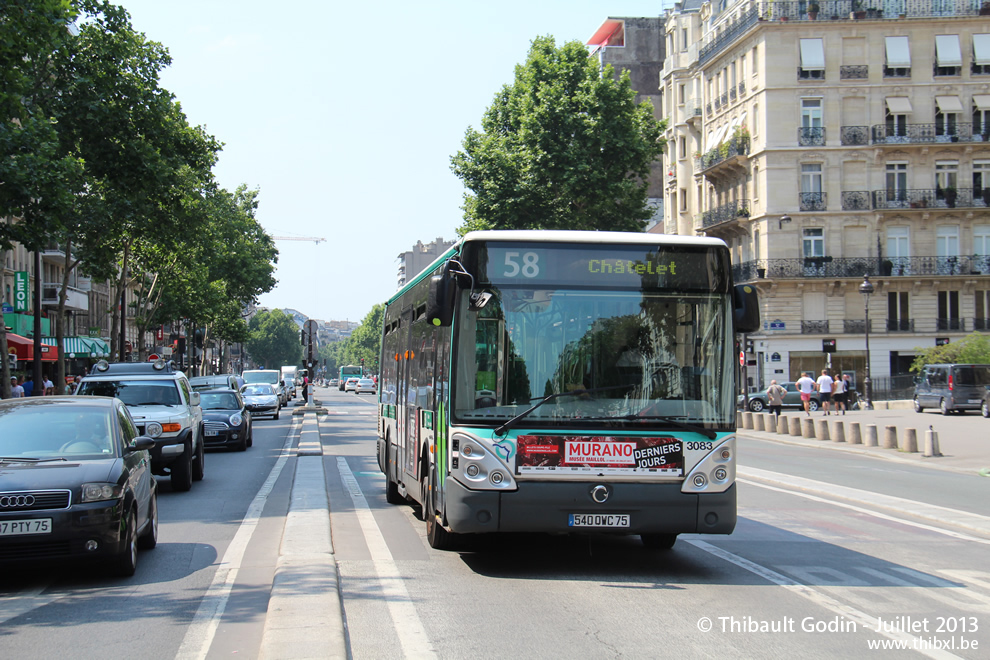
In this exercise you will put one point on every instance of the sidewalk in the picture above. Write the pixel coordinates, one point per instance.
(963, 452)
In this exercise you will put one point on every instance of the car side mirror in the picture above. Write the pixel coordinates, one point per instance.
(140, 443)
(194, 399)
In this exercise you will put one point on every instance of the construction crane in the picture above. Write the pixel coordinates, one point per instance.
(315, 239)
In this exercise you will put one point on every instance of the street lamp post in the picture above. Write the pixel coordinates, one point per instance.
(866, 288)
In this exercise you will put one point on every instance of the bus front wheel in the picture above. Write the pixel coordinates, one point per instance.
(438, 537)
(658, 541)
(392, 495)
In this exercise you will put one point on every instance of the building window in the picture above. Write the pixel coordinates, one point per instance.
(812, 132)
(946, 180)
(948, 311)
(895, 119)
(896, 184)
(981, 116)
(982, 320)
(682, 147)
(948, 55)
(981, 181)
(684, 39)
(742, 68)
(756, 182)
(898, 51)
(681, 95)
(812, 59)
(947, 111)
(898, 312)
(981, 54)
(684, 200)
(814, 242)
(811, 197)
(981, 240)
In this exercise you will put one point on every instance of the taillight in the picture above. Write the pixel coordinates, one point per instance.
(950, 382)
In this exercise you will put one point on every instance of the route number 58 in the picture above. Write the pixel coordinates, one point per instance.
(526, 264)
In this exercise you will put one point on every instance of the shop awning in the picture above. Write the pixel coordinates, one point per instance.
(100, 347)
(24, 349)
(898, 52)
(611, 33)
(948, 104)
(981, 49)
(947, 50)
(813, 54)
(899, 105)
(75, 347)
(981, 101)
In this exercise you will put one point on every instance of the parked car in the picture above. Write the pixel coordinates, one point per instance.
(101, 503)
(758, 401)
(261, 399)
(985, 405)
(365, 386)
(333, 382)
(226, 420)
(951, 387)
(164, 407)
(350, 385)
(217, 382)
(271, 376)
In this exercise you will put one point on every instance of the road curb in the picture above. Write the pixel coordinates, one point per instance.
(305, 616)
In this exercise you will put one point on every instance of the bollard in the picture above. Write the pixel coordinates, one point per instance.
(890, 437)
(838, 432)
(871, 435)
(910, 441)
(807, 428)
(795, 425)
(782, 425)
(821, 433)
(758, 422)
(855, 438)
(747, 420)
(771, 424)
(931, 443)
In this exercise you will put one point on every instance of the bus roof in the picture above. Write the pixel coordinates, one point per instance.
(560, 236)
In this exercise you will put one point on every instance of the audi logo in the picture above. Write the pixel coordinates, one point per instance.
(15, 501)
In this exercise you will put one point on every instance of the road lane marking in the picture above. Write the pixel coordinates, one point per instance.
(199, 635)
(821, 599)
(412, 636)
(870, 512)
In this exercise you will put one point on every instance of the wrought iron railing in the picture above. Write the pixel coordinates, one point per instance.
(735, 146)
(742, 89)
(939, 198)
(812, 201)
(725, 213)
(857, 267)
(949, 325)
(900, 325)
(854, 72)
(811, 137)
(814, 328)
(856, 326)
(929, 133)
(854, 135)
(856, 200)
(693, 108)
(729, 33)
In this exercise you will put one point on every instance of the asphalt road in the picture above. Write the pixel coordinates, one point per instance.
(827, 543)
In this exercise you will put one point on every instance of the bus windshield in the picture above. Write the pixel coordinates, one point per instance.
(642, 355)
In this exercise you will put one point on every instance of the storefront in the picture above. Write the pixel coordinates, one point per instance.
(23, 348)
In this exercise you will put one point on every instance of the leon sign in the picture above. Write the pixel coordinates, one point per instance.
(22, 291)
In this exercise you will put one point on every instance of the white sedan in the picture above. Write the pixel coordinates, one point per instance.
(350, 385)
(366, 386)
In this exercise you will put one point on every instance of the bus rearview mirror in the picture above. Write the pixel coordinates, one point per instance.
(440, 301)
(745, 308)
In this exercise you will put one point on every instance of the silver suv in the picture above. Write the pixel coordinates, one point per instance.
(164, 407)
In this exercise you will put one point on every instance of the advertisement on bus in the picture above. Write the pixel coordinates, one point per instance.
(660, 455)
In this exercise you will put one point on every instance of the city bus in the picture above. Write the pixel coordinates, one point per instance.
(350, 371)
(565, 381)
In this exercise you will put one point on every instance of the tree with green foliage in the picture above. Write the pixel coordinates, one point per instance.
(274, 339)
(565, 146)
(971, 349)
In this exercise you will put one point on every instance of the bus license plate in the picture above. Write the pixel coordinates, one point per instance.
(24, 527)
(598, 520)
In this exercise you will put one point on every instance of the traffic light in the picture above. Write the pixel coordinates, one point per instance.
(750, 348)
(302, 337)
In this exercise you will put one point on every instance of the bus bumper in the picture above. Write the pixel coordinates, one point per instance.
(546, 507)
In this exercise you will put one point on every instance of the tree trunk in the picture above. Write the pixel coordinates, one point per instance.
(59, 323)
(119, 313)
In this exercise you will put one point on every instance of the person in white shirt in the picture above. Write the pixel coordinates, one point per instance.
(824, 387)
(839, 395)
(806, 386)
(16, 391)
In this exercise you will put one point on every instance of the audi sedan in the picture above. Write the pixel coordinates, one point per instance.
(261, 399)
(75, 483)
(226, 420)
(365, 386)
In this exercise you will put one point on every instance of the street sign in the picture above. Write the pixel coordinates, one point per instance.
(742, 358)
(828, 346)
(153, 357)
(21, 290)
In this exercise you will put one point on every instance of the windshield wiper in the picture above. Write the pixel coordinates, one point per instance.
(501, 430)
(29, 459)
(708, 433)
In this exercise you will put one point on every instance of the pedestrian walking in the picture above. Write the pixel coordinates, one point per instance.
(824, 387)
(839, 395)
(806, 386)
(16, 391)
(775, 398)
(27, 386)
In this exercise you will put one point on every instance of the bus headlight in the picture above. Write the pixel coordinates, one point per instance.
(700, 481)
(715, 472)
(473, 470)
(478, 465)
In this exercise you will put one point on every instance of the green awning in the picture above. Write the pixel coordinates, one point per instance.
(79, 347)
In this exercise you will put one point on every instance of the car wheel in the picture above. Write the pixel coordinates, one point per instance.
(149, 538)
(943, 408)
(658, 541)
(199, 467)
(277, 411)
(125, 564)
(243, 444)
(985, 409)
(250, 437)
(813, 405)
(756, 405)
(917, 405)
(181, 471)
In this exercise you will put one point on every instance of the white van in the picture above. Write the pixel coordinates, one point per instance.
(289, 375)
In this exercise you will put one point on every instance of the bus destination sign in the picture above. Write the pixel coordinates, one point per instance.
(664, 267)
(542, 454)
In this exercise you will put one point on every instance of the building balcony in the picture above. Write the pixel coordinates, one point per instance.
(728, 150)
(932, 198)
(812, 201)
(53, 253)
(929, 134)
(853, 136)
(856, 200)
(692, 109)
(736, 210)
(856, 267)
(76, 300)
(854, 72)
(811, 137)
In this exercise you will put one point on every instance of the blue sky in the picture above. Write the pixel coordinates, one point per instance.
(346, 118)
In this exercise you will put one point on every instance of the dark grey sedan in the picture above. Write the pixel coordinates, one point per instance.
(758, 401)
(75, 482)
